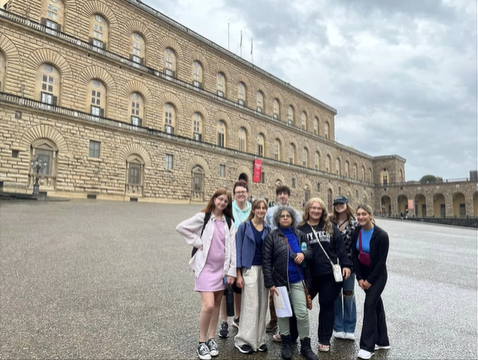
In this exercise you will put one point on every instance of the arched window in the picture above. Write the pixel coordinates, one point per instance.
(169, 62)
(3, 71)
(242, 140)
(276, 114)
(346, 169)
(384, 177)
(326, 130)
(305, 156)
(138, 48)
(277, 146)
(197, 175)
(337, 166)
(48, 84)
(241, 93)
(134, 175)
(317, 160)
(362, 173)
(221, 84)
(260, 145)
(303, 120)
(370, 175)
(96, 101)
(290, 114)
(136, 109)
(197, 126)
(99, 31)
(328, 160)
(197, 74)
(53, 14)
(291, 154)
(316, 126)
(355, 172)
(221, 134)
(169, 118)
(260, 101)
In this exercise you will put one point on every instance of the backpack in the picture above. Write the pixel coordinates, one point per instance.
(207, 216)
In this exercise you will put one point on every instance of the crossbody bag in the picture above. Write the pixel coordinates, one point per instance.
(336, 269)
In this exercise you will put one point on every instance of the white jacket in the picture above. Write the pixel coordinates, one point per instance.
(191, 228)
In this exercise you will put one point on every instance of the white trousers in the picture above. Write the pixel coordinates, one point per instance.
(254, 304)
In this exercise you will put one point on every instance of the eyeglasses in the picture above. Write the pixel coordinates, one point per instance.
(240, 192)
(284, 216)
(315, 208)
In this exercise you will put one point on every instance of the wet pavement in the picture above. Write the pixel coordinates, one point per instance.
(110, 280)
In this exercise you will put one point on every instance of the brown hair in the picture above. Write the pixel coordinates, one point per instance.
(282, 188)
(324, 219)
(334, 217)
(241, 183)
(368, 209)
(210, 205)
(255, 205)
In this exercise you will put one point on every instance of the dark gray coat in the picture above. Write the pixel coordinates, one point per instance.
(276, 258)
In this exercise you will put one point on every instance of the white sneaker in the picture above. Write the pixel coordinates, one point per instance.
(276, 337)
(364, 354)
(382, 347)
(339, 335)
(349, 336)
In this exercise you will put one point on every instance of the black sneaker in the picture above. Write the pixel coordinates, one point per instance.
(212, 345)
(203, 352)
(235, 322)
(224, 332)
(245, 349)
(262, 348)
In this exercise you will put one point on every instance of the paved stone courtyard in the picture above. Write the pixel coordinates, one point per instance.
(110, 280)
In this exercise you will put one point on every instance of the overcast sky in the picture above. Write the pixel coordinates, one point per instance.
(402, 74)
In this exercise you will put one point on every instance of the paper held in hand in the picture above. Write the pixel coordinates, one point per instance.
(282, 302)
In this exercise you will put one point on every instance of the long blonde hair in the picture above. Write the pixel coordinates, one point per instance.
(324, 219)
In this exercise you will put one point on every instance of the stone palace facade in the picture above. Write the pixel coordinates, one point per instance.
(121, 102)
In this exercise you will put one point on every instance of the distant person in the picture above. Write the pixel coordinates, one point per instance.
(249, 243)
(370, 250)
(345, 305)
(282, 194)
(327, 246)
(401, 216)
(214, 263)
(282, 266)
(241, 209)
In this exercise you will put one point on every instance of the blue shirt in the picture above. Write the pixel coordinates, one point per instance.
(366, 236)
(294, 275)
(257, 260)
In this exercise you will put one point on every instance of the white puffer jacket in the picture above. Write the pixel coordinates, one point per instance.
(191, 228)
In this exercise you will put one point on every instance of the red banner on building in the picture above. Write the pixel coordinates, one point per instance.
(257, 171)
(411, 205)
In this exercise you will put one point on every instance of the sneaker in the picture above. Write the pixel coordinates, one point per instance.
(235, 322)
(276, 337)
(339, 335)
(203, 352)
(382, 347)
(262, 348)
(271, 326)
(364, 354)
(212, 346)
(349, 336)
(245, 349)
(324, 348)
(224, 332)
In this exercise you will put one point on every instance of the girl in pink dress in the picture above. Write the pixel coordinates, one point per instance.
(214, 263)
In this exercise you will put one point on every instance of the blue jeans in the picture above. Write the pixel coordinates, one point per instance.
(345, 308)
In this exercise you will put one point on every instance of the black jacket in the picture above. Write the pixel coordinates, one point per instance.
(378, 255)
(334, 245)
(275, 259)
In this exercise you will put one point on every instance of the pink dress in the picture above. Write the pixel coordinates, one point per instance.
(211, 277)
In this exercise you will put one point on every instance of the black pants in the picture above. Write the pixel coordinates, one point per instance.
(328, 291)
(374, 328)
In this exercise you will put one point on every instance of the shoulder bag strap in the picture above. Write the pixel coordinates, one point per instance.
(325, 252)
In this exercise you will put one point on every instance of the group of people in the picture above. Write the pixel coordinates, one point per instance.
(258, 250)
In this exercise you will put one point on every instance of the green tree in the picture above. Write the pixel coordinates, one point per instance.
(430, 179)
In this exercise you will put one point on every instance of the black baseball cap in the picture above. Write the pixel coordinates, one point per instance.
(341, 200)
